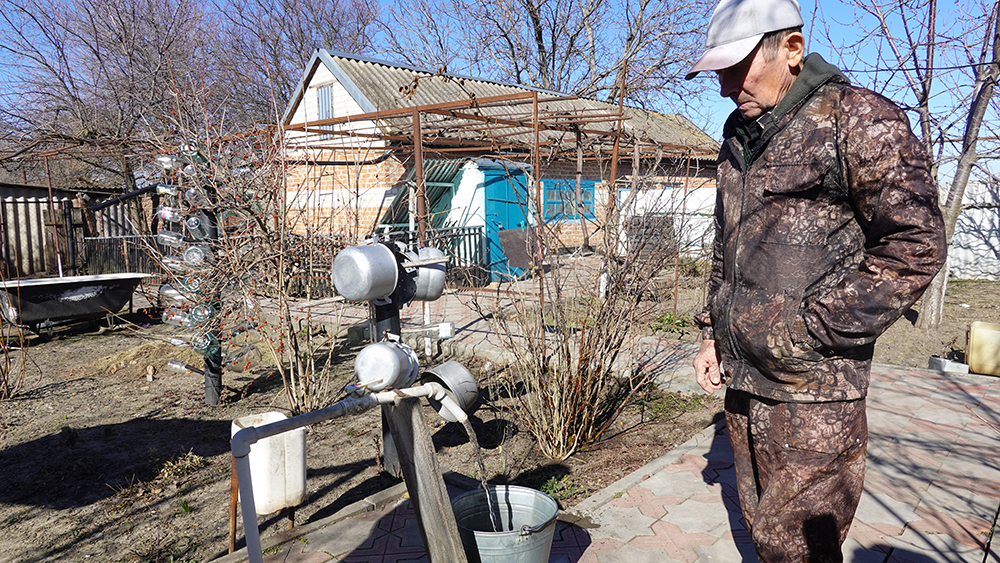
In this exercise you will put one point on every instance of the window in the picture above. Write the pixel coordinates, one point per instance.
(561, 202)
(324, 96)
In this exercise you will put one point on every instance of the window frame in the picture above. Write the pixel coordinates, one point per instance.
(588, 190)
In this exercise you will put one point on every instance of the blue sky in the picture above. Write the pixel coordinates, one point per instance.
(710, 110)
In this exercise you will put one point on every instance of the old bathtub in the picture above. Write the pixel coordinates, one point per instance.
(47, 301)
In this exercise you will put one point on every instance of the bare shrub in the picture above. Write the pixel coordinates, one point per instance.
(12, 361)
(572, 332)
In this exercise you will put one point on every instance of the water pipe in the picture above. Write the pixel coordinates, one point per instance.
(358, 402)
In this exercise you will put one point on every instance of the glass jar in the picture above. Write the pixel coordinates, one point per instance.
(196, 227)
(202, 312)
(197, 255)
(178, 317)
(170, 214)
(170, 238)
(196, 198)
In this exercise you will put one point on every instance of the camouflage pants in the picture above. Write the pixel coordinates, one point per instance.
(799, 471)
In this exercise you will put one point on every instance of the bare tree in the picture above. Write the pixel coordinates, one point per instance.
(942, 65)
(573, 46)
(99, 78)
(266, 44)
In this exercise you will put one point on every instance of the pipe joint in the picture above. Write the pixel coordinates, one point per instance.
(242, 441)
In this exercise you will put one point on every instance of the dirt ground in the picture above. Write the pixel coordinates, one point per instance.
(107, 456)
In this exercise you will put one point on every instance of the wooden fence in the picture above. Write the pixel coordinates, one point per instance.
(35, 241)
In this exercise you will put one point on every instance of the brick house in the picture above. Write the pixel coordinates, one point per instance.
(364, 137)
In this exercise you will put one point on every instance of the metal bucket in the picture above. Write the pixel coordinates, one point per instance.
(526, 519)
(455, 378)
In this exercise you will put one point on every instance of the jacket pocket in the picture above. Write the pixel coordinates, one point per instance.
(795, 204)
(800, 179)
(766, 319)
(766, 339)
(838, 428)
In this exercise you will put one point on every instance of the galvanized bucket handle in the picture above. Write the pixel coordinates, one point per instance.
(527, 530)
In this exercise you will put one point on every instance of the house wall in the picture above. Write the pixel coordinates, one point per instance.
(348, 200)
(689, 202)
(342, 105)
(467, 207)
(342, 199)
(974, 252)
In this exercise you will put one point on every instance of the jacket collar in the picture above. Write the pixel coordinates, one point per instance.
(816, 73)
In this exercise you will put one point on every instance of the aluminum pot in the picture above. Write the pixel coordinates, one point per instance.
(386, 364)
(365, 273)
(429, 278)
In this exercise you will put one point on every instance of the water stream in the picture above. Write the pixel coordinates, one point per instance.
(495, 518)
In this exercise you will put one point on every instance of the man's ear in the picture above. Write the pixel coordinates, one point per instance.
(794, 48)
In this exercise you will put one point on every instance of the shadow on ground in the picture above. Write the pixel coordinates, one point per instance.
(80, 466)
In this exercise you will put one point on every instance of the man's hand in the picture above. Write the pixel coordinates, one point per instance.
(706, 367)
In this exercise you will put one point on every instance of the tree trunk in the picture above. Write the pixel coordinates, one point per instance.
(930, 315)
(932, 303)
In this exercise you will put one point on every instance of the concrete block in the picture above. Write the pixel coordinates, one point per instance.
(945, 365)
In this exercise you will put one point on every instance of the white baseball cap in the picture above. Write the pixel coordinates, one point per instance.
(738, 25)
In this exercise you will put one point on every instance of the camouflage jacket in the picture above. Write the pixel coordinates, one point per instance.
(825, 233)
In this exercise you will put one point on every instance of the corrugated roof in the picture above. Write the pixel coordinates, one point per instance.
(379, 86)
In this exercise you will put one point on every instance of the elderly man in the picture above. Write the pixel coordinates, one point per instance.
(827, 228)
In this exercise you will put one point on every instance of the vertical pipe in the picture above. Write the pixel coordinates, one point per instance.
(539, 210)
(579, 190)
(70, 241)
(250, 531)
(52, 214)
(213, 356)
(613, 190)
(213, 370)
(418, 173)
(677, 259)
(385, 320)
(539, 227)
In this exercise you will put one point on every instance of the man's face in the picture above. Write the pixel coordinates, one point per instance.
(755, 84)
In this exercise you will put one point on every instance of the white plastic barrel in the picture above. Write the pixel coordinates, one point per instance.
(277, 464)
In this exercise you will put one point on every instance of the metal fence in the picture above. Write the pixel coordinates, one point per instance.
(116, 255)
(465, 246)
(34, 240)
(650, 236)
(311, 258)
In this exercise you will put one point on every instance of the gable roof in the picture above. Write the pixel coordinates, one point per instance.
(380, 87)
